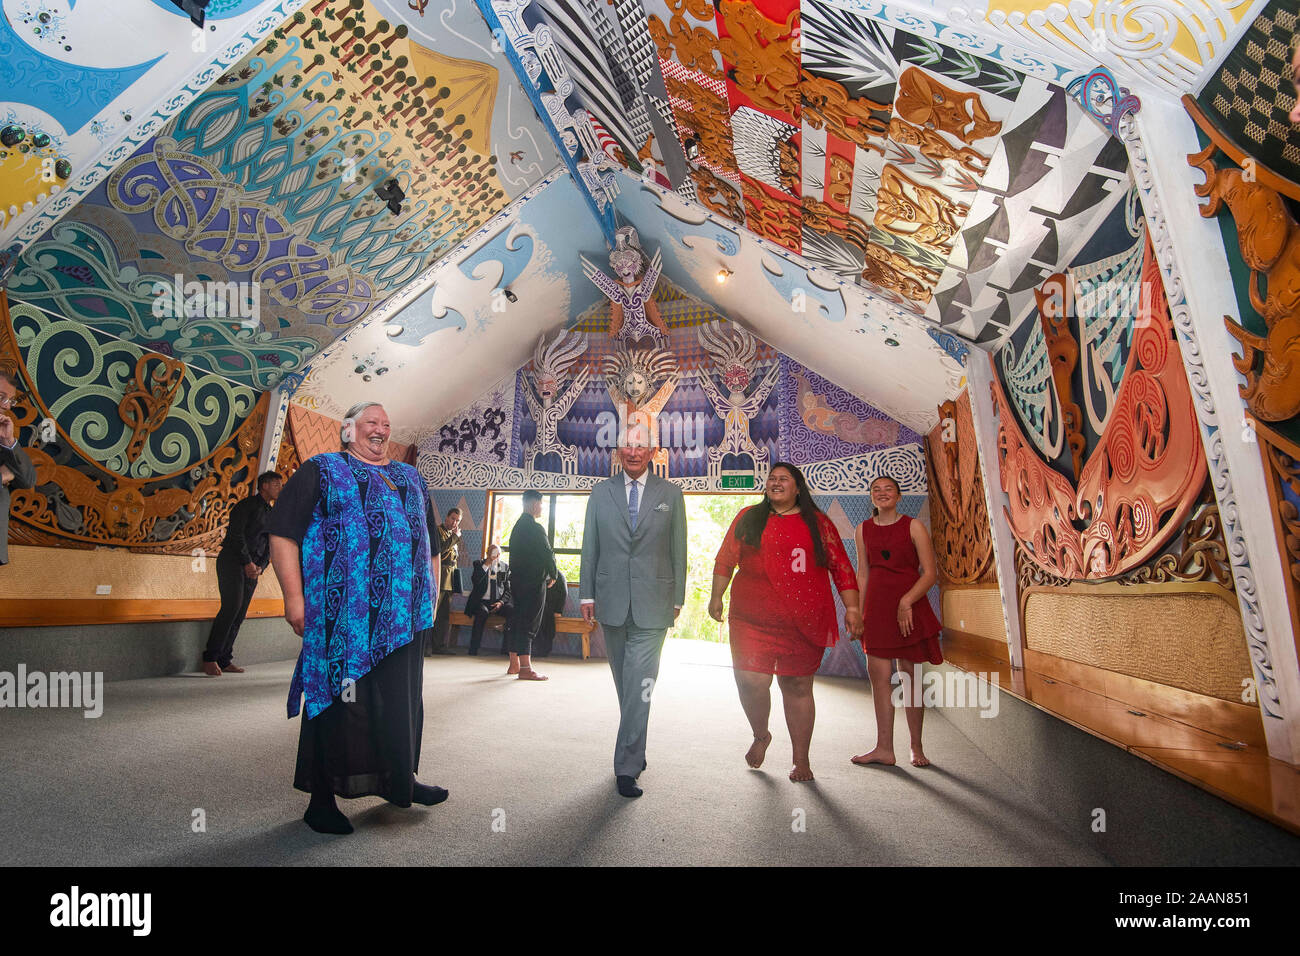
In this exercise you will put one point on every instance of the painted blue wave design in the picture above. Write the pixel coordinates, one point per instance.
(72, 95)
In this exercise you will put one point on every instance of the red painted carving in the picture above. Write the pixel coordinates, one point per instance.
(1140, 482)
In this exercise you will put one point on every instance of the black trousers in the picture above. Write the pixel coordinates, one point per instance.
(236, 594)
(480, 622)
(441, 622)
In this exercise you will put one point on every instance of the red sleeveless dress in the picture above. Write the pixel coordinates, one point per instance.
(892, 568)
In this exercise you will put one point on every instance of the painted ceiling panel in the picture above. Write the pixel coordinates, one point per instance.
(79, 77)
(270, 179)
(859, 145)
(462, 333)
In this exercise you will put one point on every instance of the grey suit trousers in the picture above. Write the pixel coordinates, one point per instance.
(634, 660)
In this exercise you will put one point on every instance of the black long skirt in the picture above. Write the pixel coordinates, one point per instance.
(369, 746)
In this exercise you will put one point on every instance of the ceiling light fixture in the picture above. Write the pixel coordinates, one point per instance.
(724, 275)
(392, 194)
(196, 10)
(393, 331)
(510, 295)
(692, 148)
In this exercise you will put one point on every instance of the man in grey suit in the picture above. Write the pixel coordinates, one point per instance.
(633, 581)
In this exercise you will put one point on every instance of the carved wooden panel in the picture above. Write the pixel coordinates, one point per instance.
(1140, 482)
(959, 525)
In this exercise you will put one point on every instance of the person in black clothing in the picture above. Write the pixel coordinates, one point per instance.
(16, 469)
(489, 594)
(556, 595)
(245, 553)
(532, 569)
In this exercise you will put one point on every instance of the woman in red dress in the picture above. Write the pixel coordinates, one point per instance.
(898, 624)
(782, 611)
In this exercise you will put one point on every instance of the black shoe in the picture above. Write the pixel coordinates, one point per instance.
(428, 796)
(327, 818)
(627, 786)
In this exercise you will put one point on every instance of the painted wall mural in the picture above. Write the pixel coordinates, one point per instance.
(719, 399)
(131, 448)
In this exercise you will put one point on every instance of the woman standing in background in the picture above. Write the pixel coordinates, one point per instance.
(896, 567)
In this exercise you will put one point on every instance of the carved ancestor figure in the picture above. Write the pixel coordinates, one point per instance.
(633, 313)
(629, 377)
(924, 101)
(933, 146)
(916, 211)
(827, 105)
(547, 403)
(1270, 245)
(734, 354)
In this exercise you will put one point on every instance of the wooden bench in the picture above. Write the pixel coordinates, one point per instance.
(563, 625)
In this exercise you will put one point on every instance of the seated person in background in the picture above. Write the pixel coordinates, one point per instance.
(489, 594)
(556, 595)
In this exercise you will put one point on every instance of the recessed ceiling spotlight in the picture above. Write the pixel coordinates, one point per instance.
(723, 275)
(510, 295)
(892, 342)
(692, 148)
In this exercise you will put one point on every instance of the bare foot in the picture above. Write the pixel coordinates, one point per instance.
(919, 759)
(757, 751)
(801, 773)
(885, 757)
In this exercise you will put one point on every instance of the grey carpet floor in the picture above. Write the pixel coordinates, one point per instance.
(529, 767)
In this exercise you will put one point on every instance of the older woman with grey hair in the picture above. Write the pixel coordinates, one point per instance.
(350, 544)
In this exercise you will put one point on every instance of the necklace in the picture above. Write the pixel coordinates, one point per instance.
(784, 513)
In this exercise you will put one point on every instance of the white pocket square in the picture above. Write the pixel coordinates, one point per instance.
(662, 506)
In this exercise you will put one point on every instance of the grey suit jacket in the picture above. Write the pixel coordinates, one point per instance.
(24, 477)
(635, 577)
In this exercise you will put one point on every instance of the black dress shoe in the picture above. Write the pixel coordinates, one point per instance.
(627, 786)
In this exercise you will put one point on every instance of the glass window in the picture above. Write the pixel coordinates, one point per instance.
(562, 517)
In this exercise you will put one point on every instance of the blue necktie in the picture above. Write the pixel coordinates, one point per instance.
(632, 504)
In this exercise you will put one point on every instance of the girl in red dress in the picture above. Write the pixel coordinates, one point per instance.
(782, 611)
(898, 624)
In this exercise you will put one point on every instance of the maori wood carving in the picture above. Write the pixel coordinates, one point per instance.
(76, 503)
(145, 407)
(1140, 482)
(1063, 350)
(959, 523)
(1269, 239)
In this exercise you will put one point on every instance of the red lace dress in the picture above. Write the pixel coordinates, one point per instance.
(892, 568)
(782, 616)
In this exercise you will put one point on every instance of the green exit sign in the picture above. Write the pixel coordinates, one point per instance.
(738, 480)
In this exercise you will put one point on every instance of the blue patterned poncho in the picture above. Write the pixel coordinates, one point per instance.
(367, 583)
